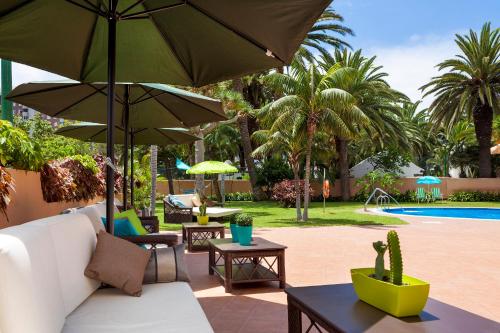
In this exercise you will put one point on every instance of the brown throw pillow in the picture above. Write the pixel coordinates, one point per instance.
(166, 265)
(119, 263)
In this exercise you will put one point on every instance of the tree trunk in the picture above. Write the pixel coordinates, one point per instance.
(483, 122)
(341, 146)
(170, 178)
(296, 178)
(216, 188)
(242, 121)
(311, 127)
(154, 172)
(199, 156)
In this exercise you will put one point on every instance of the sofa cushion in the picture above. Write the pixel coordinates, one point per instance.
(118, 263)
(74, 241)
(30, 293)
(93, 212)
(218, 211)
(167, 264)
(122, 227)
(163, 307)
(186, 199)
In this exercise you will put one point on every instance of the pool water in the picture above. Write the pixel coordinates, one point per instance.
(470, 213)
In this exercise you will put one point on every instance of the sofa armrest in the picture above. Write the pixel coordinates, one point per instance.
(168, 239)
(150, 223)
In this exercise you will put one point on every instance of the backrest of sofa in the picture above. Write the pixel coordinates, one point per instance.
(30, 293)
(74, 242)
(186, 199)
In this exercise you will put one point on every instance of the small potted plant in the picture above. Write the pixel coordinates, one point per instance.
(202, 216)
(245, 223)
(389, 290)
(234, 227)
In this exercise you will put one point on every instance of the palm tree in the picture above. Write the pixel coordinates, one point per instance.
(154, 173)
(285, 141)
(470, 88)
(372, 97)
(308, 103)
(323, 35)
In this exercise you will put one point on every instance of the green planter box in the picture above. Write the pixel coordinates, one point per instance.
(399, 301)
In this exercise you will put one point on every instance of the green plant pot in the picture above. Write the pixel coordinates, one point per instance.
(400, 301)
(202, 219)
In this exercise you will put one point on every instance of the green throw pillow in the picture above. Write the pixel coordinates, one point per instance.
(131, 215)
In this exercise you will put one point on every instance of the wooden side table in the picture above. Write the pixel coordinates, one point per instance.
(197, 235)
(336, 308)
(234, 264)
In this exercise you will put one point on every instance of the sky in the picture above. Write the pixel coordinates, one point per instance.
(409, 37)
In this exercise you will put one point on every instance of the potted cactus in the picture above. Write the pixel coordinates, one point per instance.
(202, 216)
(245, 223)
(389, 290)
(234, 227)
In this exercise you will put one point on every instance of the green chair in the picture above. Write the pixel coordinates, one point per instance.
(421, 195)
(436, 194)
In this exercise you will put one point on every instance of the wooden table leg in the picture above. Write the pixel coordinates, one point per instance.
(294, 318)
(190, 240)
(222, 233)
(281, 269)
(228, 270)
(211, 260)
(183, 234)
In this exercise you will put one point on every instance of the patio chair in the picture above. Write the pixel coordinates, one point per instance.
(421, 195)
(436, 194)
(175, 214)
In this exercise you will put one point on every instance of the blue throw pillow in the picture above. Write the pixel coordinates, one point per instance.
(123, 227)
(177, 202)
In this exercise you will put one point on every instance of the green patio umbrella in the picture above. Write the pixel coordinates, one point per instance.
(139, 107)
(92, 132)
(184, 42)
(210, 168)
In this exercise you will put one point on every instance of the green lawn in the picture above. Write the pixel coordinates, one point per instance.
(270, 215)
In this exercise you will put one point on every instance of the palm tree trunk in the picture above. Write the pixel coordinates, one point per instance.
(242, 121)
(311, 127)
(296, 178)
(341, 146)
(483, 122)
(154, 172)
(199, 156)
(170, 178)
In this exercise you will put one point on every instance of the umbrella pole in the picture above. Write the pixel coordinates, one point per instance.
(132, 168)
(126, 146)
(110, 159)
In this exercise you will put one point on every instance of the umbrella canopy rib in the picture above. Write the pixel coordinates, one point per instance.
(96, 91)
(167, 136)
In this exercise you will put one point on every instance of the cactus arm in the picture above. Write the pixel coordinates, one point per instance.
(380, 247)
(396, 273)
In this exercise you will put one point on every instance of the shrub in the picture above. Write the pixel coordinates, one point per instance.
(17, 150)
(6, 185)
(233, 219)
(272, 171)
(471, 196)
(70, 180)
(239, 196)
(284, 192)
(244, 220)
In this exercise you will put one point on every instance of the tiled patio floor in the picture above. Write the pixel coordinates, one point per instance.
(460, 258)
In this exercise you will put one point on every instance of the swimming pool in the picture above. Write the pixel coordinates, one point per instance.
(469, 213)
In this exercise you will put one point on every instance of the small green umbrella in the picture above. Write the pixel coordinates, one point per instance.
(210, 168)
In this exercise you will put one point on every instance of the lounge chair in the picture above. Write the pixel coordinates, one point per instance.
(436, 194)
(421, 194)
(177, 207)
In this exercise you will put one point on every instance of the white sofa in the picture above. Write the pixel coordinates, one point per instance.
(43, 288)
(187, 201)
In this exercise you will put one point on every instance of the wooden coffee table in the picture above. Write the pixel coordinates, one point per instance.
(336, 308)
(197, 235)
(235, 264)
